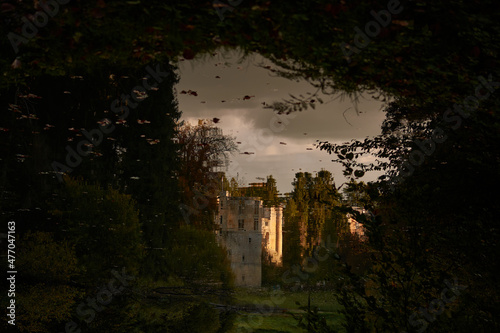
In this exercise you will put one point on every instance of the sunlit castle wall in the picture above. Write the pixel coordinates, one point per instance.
(355, 227)
(272, 232)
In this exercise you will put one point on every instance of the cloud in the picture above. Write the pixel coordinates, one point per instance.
(257, 128)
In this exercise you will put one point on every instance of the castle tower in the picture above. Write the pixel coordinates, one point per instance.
(244, 227)
(240, 233)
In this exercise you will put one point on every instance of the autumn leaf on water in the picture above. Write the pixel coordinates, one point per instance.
(15, 108)
(219, 5)
(401, 23)
(153, 142)
(30, 96)
(187, 27)
(189, 92)
(103, 122)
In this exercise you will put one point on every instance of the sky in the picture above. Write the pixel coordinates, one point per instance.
(260, 131)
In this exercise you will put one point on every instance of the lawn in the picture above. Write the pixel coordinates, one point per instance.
(283, 304)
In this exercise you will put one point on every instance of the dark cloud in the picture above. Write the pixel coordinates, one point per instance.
(260, 130)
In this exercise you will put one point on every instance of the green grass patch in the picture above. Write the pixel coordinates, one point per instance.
(285, 303)
(258, 323)
(324, 300)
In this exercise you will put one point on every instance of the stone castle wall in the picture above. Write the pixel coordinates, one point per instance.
(244, 226)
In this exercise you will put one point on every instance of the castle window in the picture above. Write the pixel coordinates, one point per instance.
(255, 224)
(256, 209)
(243, 258)
(221, 219)
(267, 223)
(241, 224)
(249, 240)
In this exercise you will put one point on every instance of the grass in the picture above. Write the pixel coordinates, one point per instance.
(284, 303)
(266, 323)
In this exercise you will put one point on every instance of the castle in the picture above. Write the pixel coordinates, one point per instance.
(355, 227)
(245, 227)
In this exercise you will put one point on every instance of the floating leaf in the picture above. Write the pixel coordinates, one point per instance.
(359, 173)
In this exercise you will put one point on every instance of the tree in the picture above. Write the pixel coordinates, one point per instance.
(197, 258)
(292, 245)
(312, 217)
(419, 61)
(268, 193)
(103, 226)
(204, 149)
(234, 188)
(428, 231)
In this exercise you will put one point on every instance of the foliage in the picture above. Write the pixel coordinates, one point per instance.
(309, 211)
(42, 305)
(196, 257)
(102, 224)
(204, 149)
(200, 318)
(271, 272)
(428, 232)
(268, 193)
(45, 259)
(45, 292)
(421, 63)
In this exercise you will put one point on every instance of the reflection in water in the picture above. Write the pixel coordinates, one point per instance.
(104, 169)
